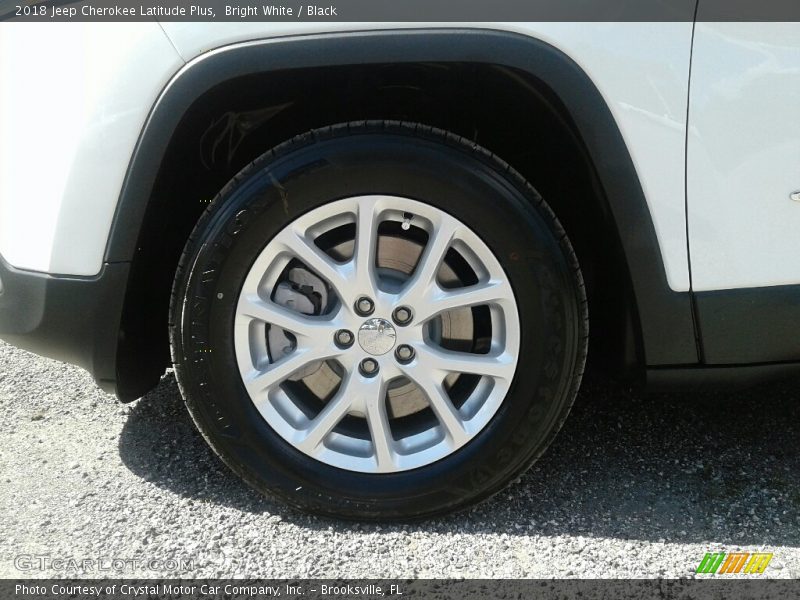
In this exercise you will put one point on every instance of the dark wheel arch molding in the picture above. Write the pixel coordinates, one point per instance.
(666, 327)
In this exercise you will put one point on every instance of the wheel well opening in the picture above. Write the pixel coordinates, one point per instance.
(509, 112)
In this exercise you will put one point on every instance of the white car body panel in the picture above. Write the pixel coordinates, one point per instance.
(108, 76)
(70, 120)
(744, 155)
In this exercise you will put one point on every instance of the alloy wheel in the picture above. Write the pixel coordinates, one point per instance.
(377, 334)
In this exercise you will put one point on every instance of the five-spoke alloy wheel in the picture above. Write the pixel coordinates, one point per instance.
(378, 321)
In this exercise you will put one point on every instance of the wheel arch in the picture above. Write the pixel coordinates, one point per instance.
(657, 322)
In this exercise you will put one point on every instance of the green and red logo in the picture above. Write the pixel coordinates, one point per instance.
(720, 563)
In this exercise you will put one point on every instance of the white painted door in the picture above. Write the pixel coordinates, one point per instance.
(743, 161)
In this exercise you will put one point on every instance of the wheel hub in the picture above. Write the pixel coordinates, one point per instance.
(377, 336)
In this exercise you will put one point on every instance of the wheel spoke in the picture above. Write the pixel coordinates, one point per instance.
(329, 417)
(431, 260)
(315, 260)
(378, 421)
(285, 318)
(365, 250)
(262, 380)
(441, 300)
(497, 366)
(440, 402)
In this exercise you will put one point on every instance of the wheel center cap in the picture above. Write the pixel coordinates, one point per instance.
(377, 336)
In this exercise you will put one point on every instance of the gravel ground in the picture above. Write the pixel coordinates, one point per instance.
(635, 486)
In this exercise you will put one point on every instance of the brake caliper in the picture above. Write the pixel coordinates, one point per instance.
(305, 293)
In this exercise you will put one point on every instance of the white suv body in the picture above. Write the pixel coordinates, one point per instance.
(738, 163)
(692, 131)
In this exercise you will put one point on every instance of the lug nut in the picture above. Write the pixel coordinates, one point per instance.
(364, 306)
(369, 367)
(344, 338)
(402, 315)
(404, 353)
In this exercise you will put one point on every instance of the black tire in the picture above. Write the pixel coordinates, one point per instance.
(401, 159)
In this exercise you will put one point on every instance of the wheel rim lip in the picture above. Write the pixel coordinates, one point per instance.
(341, 451)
